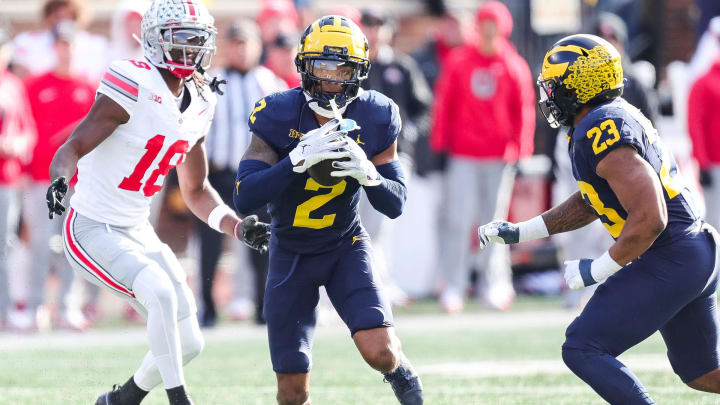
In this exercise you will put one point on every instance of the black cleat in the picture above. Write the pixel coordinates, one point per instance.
(104, 399)
(406, 385)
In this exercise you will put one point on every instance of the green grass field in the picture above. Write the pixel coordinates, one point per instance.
(479, 357)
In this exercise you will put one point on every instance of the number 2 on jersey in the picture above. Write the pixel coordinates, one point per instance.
(154, 146)
(302, 213)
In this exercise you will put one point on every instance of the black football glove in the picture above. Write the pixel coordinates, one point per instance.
(215, 85)
(253, 233)
(55, 195)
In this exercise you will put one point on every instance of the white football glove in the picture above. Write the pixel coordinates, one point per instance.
(505, 233)
(586, 272)
(358, 167)
(502, 232)
(317, 145)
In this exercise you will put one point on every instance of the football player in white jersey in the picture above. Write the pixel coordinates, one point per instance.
(149, 116)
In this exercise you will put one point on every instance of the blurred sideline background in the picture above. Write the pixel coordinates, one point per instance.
(504, 311)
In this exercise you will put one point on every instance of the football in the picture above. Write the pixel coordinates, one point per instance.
(320, 172)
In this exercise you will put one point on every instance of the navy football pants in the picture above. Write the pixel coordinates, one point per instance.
(671, 289)
(291, 295)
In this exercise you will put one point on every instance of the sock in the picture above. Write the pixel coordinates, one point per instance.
(147, 375)
(130, 393)
(177, 395)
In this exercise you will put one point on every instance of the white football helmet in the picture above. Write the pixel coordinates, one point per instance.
(178, 35)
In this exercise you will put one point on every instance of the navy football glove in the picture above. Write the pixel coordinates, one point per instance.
(55, 195)
(253, 233)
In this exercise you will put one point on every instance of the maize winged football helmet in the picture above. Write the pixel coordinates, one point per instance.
(332, 42)
(578, 70)
(178, 35)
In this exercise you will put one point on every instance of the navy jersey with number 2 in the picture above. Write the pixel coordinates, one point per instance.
(308, 217)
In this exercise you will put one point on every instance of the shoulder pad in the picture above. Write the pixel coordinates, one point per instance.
(273, 115)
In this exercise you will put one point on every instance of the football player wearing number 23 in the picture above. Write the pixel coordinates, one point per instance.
(150, 116)
(660, 274)
(317, 238)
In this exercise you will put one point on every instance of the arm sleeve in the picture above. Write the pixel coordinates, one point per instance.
(257, 183)
(118, 84)
(389, 196)
(697, 116)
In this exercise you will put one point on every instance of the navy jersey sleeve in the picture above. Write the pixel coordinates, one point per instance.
(393, 127)
(607, 134)
(271, 117)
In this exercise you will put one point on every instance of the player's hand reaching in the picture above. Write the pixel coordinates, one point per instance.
(318, 145)
(55, 195)
(253, 233)
(358, 167)
(499, 232)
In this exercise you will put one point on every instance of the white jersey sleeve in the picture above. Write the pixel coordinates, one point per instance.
(118, 84)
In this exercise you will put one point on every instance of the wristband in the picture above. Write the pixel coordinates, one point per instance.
(604, 267)
(532, 229)
(217, 214)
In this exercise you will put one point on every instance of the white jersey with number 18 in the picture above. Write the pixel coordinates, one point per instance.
(117, 180)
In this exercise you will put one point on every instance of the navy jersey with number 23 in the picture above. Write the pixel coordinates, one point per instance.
(308, 217)
(612, 125)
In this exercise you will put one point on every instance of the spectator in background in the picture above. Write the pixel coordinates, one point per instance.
(276, 17)
(704, 130)
(346, 10)
(706, 52)
(59, 100)
(125, 23)
(484, 119)
(229, 136)
(17, 138)
(280, 58)
(612, 28)
(446, 35)
(397, 76)
(34, 53)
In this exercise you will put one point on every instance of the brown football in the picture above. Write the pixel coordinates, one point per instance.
(320, 172)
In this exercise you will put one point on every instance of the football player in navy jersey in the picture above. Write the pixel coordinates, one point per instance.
(660, 274)
(317, 238)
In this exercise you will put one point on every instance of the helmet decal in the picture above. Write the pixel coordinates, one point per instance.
(592, 74)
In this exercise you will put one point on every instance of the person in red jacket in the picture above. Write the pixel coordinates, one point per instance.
(59, 100)
(484, 120)
(704, 129)
(17, 136)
